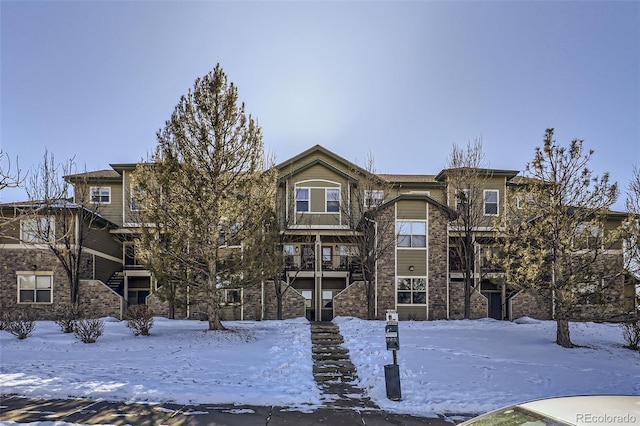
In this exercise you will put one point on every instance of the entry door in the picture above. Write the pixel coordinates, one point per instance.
(327, 305)
(327, 257)
(495, 305)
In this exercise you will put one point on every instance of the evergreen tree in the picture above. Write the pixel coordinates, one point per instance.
(203, 188)
(554, 237)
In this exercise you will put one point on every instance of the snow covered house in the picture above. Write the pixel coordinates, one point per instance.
(354, 242)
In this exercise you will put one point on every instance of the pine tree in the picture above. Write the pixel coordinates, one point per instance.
(553, 241)
(202, 188)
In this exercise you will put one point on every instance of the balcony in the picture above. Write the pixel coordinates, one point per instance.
(298, 262)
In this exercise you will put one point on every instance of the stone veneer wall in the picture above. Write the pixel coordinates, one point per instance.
(438, 267)
(479, 305)
(293, 303)
(91, 294)
(98, 300)
(387, 268)
(529, 304)
(352, 301)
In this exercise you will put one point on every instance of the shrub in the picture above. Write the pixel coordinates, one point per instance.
(88, 330)
(66, 317)
(4, 320)
(140, 319)
(20, 324)
(631, 334)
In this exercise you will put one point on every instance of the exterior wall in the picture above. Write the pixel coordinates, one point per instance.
(293, 304)
(438, 266)
(527, 303)
(111, 211)
(96, 298)
(352, 301)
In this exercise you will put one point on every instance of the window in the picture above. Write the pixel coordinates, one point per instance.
(288, 251)
(412, 233)
(373, 198)
(302, 199)
(412, 291)
(333, 200)
(490, 202)
(37, 230)
(35, 287)
(133, 203)
(308, 298)
(232, 296)
(587, 237)
(462, 200)
(520, 203)
(101, 194)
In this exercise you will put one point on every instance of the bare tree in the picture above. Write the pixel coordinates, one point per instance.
(370, 226)
(466, 176)
(207, 176)
(9, 178)
(53, 219)
(555, 244)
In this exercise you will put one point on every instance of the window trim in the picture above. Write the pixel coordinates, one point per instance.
(99, 189)
(411, 291)
(36, 240)
(411, 234)
(327, 200)
(34, 274)
(373, 198)
(485, 203)
(307, 200)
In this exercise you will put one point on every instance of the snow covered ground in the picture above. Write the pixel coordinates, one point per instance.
(445, 366)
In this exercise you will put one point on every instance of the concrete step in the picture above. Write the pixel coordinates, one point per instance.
(329, 350)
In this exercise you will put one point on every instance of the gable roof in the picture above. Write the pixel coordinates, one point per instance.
(451, 213)
(318, 149)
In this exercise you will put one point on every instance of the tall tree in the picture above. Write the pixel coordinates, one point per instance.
(370, 227)
(553, 243)
(58, 222)
(206, 178)
(466, 175)
(630, 231)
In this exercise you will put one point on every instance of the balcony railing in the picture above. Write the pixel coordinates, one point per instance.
(297, 262)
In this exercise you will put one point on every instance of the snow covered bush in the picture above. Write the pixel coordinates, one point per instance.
(631, 334)
(140, 319)
(66, 317)
(20, 324)
(88, 330)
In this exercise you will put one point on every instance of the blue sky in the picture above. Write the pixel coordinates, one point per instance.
(402, 80)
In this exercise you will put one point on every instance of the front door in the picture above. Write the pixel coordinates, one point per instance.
(327, 305)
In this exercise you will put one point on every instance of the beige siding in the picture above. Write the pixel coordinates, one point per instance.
(317, 200)
(412, 257)
(318, 219)
(412, 209)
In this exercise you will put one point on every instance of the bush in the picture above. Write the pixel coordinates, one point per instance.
(66, 317)
(20, 324)
(631, 334)
(88, 330)
(4, 320)
(139, 319)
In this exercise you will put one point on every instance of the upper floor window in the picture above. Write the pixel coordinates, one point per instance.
(490, 202)
(462, 200)
(37, 230)
(520, 200)
(133, 202)
(302, 199)
(36, 287)
(100, 194)
(587, 237)
(373, 198)
(412, 233)
(333, 200)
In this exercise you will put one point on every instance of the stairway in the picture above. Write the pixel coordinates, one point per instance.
(116, 282)
(333, 371)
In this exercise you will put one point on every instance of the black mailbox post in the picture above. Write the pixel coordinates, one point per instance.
(392, 371)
